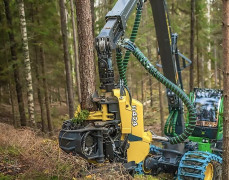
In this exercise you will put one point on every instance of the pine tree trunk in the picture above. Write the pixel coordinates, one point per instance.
(39, 92)
(209, 75)
(216, 66)
(161, 102)
(137, 90)
(198, 67)
(11, 94)
(86, 54)
(38, 74)
(47, 105)
(28, 74)
(161, 108)
(17, 78)
(59, 95)
(66, 58)
(149, 53)
(0, 94)
(130, 77)
(197, 52)
(12, 103)
(93, 16)
(151, 90)
(142, 90)
(192, 39)
(92, 2)
(220, 75)
(66, 95)
(226, 89)
(202, 71)
(209, 66)
(77, 71)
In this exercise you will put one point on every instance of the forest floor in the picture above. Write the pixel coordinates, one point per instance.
(29, 154)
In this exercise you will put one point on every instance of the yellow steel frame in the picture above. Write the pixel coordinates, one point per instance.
(131, 114)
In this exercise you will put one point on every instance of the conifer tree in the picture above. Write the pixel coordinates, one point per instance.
(17, 77)
(192, 38)
(86, 54)
(75, 51)
(66, 58)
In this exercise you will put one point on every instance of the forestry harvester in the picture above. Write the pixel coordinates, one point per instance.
(192, 146)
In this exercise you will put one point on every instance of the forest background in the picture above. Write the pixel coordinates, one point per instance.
(39, 58)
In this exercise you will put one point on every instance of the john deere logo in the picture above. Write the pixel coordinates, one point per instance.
(134, 116)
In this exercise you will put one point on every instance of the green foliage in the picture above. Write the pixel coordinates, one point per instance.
(81, 116)
(6, 177)
(145, 177)
(37, 175)
(10, 150)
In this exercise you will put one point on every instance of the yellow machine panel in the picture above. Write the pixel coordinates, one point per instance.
(137, 151)
(125, 111)
(137, 118)
(133, 126)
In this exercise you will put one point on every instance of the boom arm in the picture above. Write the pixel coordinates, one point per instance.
(163, 32)
(106, 41)
(169, 54)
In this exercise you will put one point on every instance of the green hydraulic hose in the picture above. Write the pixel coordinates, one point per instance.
(166, 131)
(133, 35)
(174, 124)
(122, 64)
(179, 92)
(170, 125)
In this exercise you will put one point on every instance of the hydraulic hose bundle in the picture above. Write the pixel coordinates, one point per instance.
(170, 124)
(127, 44)
(122, 64)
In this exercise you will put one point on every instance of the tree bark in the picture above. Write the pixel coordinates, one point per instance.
(66, 58)
(202, 71)
(216, 66)
(197, 52)
(12, 104)
(77, 71)
(151, 90)
(142, 90)
(39, 92)
(192, 39)
(17, 77)
(11, 94)
(226, 89)
(209, 65)
(28, 74)
(150, 77)
(86, 55)
(161, 102)
(161, 108)
(59, 95)
(47, 105)
(220, 75)
(93, 16)
(0, 94)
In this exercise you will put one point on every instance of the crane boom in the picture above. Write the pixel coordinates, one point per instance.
(164, 38)
(106, 41)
